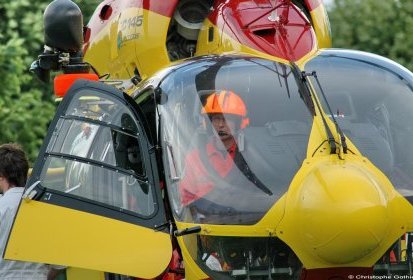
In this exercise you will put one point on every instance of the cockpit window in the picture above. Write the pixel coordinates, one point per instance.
(103, 109)
(96, 154)
(373, 107)
(235, 132)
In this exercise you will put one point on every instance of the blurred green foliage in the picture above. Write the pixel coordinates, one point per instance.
(26, 105)
(381, 27)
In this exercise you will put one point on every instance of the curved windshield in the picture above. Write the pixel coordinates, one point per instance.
(373, 107)
(235, 132)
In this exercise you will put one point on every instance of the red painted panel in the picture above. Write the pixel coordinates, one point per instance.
(274, 27)
(165, 8)
(96, 24)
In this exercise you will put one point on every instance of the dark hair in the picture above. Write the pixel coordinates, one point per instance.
(13, 164)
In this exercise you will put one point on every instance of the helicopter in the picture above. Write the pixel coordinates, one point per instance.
(325, 191)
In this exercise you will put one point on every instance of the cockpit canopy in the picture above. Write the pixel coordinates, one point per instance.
(210, 179)
(372, 99)
(210, 183)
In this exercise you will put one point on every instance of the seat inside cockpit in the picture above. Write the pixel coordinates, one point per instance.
(367, 129)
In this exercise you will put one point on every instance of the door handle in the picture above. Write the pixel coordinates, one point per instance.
(30, 192)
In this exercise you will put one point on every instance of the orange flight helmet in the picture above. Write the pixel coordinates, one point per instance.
(226, 102)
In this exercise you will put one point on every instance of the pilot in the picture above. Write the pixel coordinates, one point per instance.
(228, 115)
(216, 157)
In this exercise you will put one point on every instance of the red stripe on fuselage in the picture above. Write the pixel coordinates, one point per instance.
(276, 27)
(165, 8)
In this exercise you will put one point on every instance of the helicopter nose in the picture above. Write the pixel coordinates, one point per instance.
(337, 214)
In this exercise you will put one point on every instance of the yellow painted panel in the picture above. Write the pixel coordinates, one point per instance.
(321, 26)
(74, 273)
(151, 45)
(342, 213)
(52, 234)
(120, 48)
(192, 270)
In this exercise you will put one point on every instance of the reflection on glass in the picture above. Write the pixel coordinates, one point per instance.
(237, 132)
(98, 142)
(99, 184)
(95, 154)
(374, 112)
(102, 108)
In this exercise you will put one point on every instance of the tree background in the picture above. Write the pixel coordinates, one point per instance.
(27, 106)
(381, 27)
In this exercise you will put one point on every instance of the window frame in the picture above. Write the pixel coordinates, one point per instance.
(52, 196)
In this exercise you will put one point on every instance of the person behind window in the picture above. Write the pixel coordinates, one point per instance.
(13, 175)
(217, 157)
(81, 144)
(228, 115)
(78, 173)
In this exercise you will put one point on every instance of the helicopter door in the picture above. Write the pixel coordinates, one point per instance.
(93, 200)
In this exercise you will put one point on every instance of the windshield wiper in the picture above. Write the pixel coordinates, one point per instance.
(304, 89)
(284, 73)
(338, 128)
